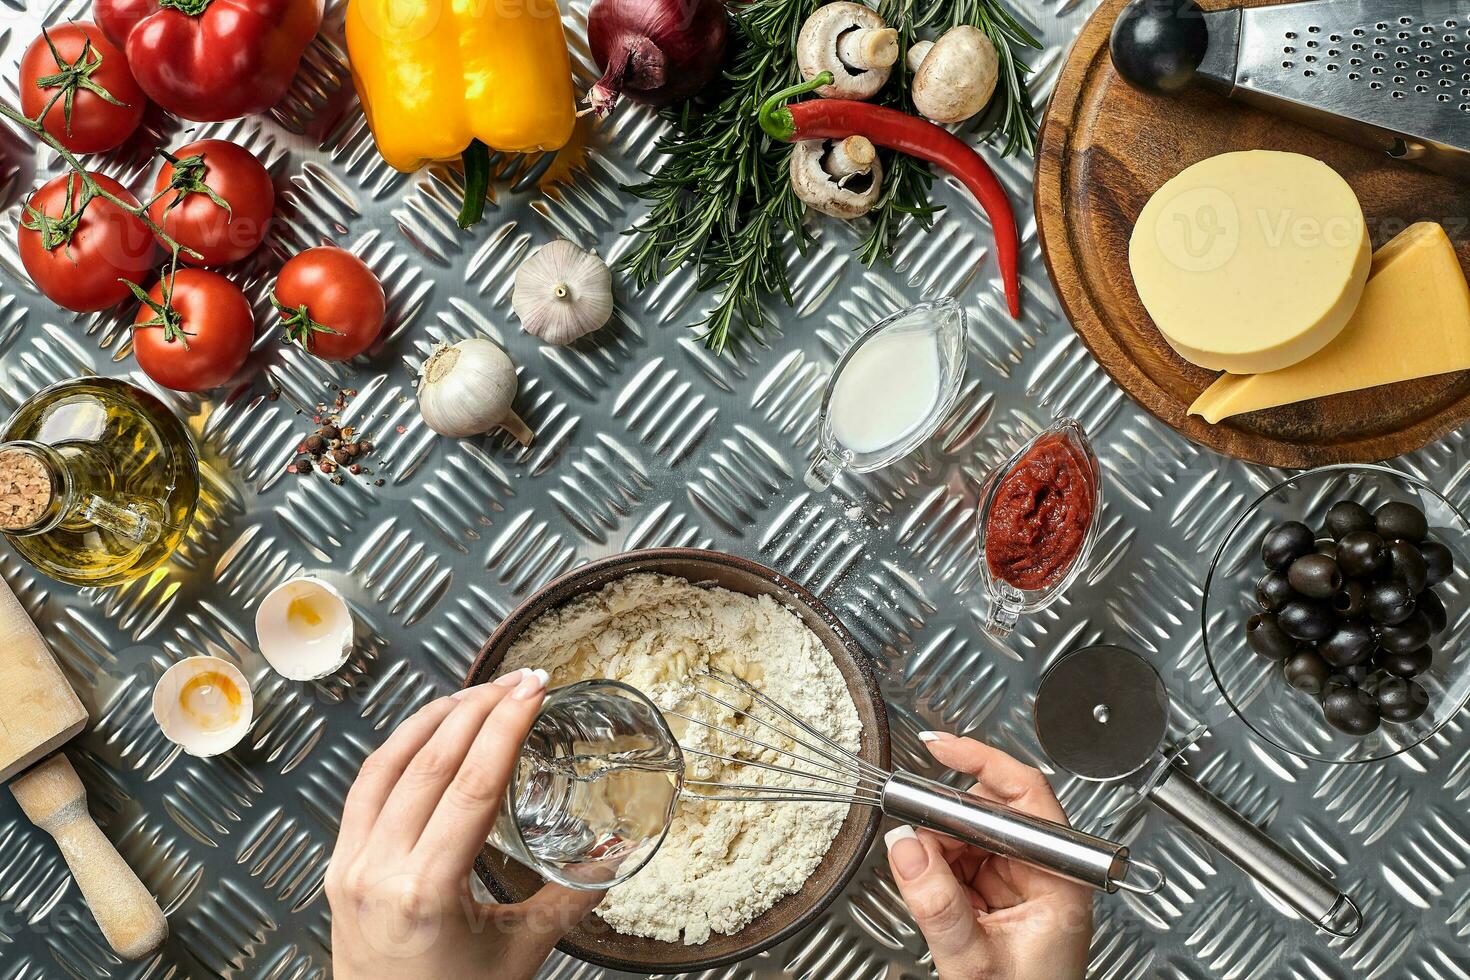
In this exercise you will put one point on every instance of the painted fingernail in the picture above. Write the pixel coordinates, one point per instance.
(934, 736)
(533, 682)
(905, 853)
(462, 693)
(511, 679)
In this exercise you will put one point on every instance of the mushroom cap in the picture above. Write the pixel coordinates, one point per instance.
(957, 76)
(820, 190)
(816, 50)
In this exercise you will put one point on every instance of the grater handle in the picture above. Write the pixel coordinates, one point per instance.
(1053, 847)
(1165, 48)
(1302, 887)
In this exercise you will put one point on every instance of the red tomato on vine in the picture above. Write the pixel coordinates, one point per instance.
(216, 199)
(81, 81)
(193, 331)
(82, 252)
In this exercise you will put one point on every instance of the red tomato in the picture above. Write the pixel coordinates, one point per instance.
(331, 302)
(95, 123)
(108, 245)
(202, 336)
(209, 60)
(191, 216)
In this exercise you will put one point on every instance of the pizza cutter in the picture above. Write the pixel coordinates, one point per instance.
(1102, 713)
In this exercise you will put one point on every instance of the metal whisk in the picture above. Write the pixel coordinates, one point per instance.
(834, 774)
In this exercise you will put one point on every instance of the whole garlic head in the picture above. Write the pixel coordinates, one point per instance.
(467, 388)
(562, 293)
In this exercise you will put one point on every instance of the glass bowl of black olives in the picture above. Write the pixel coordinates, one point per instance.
(1334, 611)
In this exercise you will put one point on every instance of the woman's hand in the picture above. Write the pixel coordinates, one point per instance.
(987, 917)
(414, 821)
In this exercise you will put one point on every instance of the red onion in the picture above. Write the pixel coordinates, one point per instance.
(654, 51)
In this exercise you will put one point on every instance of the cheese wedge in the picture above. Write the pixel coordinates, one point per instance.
(1251, 261)
(1413, 322)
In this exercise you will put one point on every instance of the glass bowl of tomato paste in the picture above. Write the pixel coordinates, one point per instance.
(1037, 523)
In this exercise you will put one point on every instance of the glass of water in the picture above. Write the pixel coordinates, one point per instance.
(594, 789)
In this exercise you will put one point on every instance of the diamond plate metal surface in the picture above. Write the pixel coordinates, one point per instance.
(644, 438)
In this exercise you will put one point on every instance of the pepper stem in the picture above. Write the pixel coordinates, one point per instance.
(775, 116)
(476, 160)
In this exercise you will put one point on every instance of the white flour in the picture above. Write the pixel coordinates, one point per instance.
(722, 864)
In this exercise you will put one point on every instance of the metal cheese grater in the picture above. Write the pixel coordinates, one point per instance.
(1389, 74)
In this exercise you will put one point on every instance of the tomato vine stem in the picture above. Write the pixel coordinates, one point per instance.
(91, 190)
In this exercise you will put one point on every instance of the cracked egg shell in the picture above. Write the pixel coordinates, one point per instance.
(203, 705)
(304, 629)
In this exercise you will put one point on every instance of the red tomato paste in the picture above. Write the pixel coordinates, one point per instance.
(1040, 516)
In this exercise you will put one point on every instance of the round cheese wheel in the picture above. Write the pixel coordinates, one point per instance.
(1252, 261)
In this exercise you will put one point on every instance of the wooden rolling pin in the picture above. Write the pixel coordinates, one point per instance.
(39, 712)
(56, 801)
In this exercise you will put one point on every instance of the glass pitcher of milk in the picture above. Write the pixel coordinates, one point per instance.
(890, 390)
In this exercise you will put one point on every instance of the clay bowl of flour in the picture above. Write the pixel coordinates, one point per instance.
(594, 940)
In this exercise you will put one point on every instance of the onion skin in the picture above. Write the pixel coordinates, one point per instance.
(656, 52)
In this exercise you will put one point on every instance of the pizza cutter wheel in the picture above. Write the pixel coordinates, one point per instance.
(1102, 713)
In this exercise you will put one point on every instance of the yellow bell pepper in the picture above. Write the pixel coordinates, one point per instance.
(442, 79)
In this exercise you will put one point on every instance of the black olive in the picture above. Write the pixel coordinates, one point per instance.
(1349, 602)
(1357, 674)
(1347, 516)
(1429, 603)
(1306, 671)
(1401, 700)
(1361, 554)
(1400, 520)
(1305, 620)
(1328, 547)
(1411, 634)
(1315, 576)
(1389, 602)
(1406, 664)
(1285, 543)
(1266, 637)
(1439, 561)
(1273, 591)
(1351, 710)
(1350, 643)
(1406, 564)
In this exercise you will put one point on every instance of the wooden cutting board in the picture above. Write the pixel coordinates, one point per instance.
(1106, 148)
(39, 712)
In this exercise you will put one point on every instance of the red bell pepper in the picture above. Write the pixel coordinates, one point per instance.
(209, 60)
(819, 119)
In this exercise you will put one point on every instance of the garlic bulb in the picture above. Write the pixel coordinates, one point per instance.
(562, 292)
(467, 388)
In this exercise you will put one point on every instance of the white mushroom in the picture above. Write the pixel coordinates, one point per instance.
(850, 41)
(955, 76)
(840, 178)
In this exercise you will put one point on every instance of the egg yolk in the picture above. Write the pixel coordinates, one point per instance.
(305, 615)
(211, 700)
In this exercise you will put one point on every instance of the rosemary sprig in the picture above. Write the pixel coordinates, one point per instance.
(722, 200)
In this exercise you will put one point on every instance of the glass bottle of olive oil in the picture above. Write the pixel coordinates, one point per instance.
(98, 481)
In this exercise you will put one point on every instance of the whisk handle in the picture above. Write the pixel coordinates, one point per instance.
(1044, 844)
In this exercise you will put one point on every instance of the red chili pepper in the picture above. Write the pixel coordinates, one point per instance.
(839, 118)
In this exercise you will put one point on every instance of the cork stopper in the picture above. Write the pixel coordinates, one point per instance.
(26, 489)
